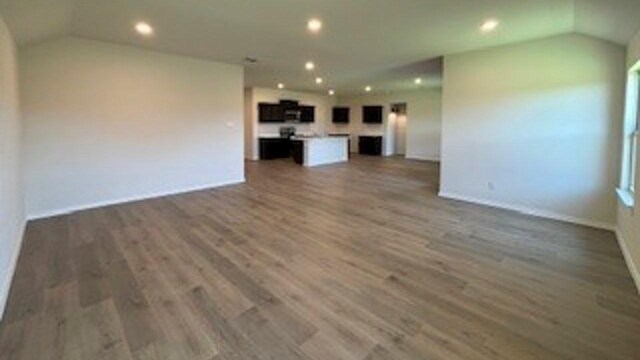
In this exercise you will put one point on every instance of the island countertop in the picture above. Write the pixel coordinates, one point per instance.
(313, 137)
(320, 150)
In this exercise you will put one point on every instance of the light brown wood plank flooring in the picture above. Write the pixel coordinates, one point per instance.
(350, 261)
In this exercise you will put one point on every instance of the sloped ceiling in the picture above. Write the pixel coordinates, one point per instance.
(383, 43)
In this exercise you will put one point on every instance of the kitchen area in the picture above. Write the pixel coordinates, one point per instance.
(307, 149)
(308, 128)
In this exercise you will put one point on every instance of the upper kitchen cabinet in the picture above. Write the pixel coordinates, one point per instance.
(307, 113)
(372, 114)
(270, 113)
(341, 115)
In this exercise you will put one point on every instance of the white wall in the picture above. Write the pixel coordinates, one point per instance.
(254, 96)
(12, 218)
(424, 121)
(106, 123)
(249, 126)
(628, 226)
(536, 127)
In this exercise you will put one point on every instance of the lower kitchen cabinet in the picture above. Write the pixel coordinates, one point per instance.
(274, 148)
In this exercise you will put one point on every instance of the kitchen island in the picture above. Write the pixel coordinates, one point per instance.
(320, 150)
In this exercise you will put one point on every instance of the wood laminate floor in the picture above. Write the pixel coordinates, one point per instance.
(350, 261)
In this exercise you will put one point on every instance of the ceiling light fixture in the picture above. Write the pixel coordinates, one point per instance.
(144, 29)
(314, 25)
(280, 86)
(309, 65)
(489, 25)
(418, 81)
(332, 92)
(319, 80)
(367, 88)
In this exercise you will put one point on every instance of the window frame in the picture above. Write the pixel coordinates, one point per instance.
(631, 140)
(633, 161)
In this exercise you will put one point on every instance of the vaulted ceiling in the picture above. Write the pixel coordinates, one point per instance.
(383, 43)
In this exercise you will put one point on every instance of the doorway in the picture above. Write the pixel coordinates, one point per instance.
(398, 119)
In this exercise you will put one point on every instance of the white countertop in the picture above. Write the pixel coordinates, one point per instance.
(302, 136)
(269, 136)
(319, 138)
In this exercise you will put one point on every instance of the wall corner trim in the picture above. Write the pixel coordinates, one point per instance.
(529, 211)
(6, 282)
(633, 268)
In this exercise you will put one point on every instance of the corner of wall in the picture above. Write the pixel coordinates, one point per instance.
(633, 267)
(541, 213)
(12, 202)
(6, 282)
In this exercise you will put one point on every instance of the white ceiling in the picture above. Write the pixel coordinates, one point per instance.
(383, 43)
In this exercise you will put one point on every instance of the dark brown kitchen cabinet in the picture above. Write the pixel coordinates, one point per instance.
(274, 148)
(270, 113)
(297, 150)
(370, 145)
(307, 114)
(372, 114)
(341, 115)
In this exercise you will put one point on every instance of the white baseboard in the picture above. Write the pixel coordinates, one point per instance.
(529, 211)
(8, 278)
(635, 274)
(72, 209)
(423, 158)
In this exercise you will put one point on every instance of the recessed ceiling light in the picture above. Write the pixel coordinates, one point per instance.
(319, 80)
(367, 88)
(309, 65)
(331, 92)
(144, 29)
(314, 25)
(489, 25)
(418, 81)
(280, 86)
